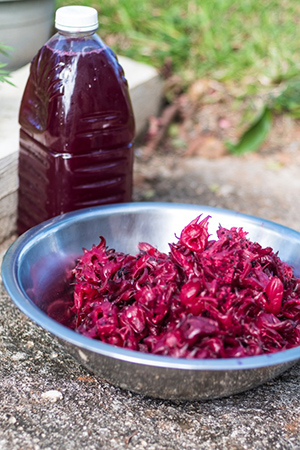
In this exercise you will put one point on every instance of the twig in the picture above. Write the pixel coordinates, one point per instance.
(163, 123)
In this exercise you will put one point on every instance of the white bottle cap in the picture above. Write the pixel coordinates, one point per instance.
(76, 19)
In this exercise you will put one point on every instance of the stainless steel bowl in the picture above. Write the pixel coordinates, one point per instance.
(34, 270)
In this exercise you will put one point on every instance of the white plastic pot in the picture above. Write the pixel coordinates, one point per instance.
(25, 25)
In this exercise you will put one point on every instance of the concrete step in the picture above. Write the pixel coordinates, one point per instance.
(145, 86)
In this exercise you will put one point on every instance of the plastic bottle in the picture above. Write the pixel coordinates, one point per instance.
(77, 124)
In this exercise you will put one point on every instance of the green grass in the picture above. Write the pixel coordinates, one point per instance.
(247, 42)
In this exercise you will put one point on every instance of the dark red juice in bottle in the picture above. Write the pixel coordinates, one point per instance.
(77, 130)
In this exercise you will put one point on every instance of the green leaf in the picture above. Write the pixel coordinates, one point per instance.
(288, 101)
(254, 136)
(4, 75)
(4, 78)
(5, 49)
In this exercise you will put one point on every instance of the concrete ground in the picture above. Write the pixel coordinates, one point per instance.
(249, 184)
(49, 401)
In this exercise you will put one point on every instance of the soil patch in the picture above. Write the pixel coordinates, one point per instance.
(189, 163)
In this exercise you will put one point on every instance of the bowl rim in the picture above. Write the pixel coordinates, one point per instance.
(17, 250)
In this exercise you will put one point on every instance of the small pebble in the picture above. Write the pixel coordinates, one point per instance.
(19, 356)
(12, 420)
(52, 395)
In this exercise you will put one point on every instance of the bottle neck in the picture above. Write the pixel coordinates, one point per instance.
(75, 42)
(80, 34)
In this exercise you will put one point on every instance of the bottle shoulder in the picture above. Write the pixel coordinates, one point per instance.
(75, 43)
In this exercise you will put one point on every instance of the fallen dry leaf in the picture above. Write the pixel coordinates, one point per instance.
(86, 379)
(198, 89)
(206, 146)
